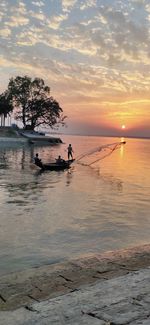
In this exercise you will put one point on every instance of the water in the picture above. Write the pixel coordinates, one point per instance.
(49, 217)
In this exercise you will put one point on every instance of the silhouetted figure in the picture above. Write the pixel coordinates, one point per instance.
(38, 161)
(60, 160)
(70, 151)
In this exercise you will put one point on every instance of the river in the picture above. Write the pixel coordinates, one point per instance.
(50, 217)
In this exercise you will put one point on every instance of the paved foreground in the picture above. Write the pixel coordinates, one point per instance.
(112, 288)
(24, 288)
(123, 300)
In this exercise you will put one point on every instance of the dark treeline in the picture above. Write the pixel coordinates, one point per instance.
(31, 103)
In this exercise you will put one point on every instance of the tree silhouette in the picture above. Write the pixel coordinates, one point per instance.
(33, 104)
(6, 107)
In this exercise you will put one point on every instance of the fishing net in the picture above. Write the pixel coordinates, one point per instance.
(96, 154)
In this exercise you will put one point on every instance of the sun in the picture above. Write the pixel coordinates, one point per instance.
(123, 126)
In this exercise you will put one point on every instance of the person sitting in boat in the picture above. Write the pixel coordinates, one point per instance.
(38, 161)
(60, 160)
(70, 151)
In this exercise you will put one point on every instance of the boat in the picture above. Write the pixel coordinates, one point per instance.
(65, 164)
(35, 137)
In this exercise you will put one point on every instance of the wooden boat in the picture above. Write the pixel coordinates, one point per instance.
(65, 164)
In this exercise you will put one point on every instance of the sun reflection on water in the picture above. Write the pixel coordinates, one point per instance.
(122, 147)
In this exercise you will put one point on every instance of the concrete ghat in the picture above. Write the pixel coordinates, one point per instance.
(118, 301)
(34, 285)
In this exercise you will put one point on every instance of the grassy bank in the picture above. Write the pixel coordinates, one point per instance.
(8, 132)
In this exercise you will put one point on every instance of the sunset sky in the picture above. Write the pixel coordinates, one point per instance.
(94, 55)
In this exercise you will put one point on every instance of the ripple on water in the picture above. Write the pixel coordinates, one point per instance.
(47, 217)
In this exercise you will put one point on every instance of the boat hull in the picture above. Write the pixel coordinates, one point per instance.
(55, 166)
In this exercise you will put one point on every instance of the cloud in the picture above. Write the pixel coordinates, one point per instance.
(147, 7)
(3, 5)
(4, 33)
(87, 4)
(67, 5)
(21, 8)
(55, 21)
(16, 16)
(3, 61)
(17, 20)
(37, 15)
(99, 51)
(38, 3)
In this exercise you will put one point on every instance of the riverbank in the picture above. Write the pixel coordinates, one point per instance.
(11, 137)
(21, 289)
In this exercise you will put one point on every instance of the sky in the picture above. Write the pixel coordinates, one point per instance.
(94, 55)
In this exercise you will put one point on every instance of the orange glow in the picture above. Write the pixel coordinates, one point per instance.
(123, 126)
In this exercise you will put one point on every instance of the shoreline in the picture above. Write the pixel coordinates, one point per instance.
(23, 288)
(11, 142)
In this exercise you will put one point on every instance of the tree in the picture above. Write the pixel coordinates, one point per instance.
(6, 107)
(33, 104)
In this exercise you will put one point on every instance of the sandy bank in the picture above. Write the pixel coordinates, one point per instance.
(37, 284)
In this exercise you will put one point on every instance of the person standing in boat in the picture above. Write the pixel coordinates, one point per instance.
(70, 151)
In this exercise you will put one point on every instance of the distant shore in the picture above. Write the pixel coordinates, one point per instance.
(37, 284)
(10, 137)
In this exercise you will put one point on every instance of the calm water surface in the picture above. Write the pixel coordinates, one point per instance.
(53, 216)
